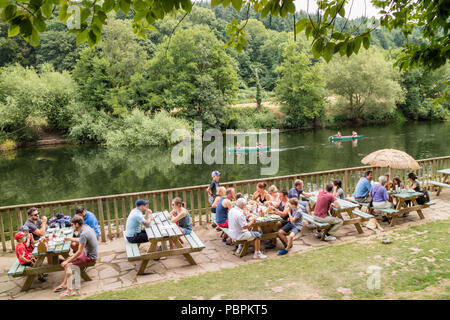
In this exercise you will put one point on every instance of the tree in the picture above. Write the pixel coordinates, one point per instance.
(87, 20)
(299, 87)
(421, 86)
(193, 75)
(258, 91)
(366, 85)
(93, 75)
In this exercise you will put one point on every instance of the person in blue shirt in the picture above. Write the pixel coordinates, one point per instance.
(135, 220)
(89, 219)
(363, 187)
(296, 191)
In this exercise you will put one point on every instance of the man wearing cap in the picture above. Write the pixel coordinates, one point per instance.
(214, 186)
(137, 217)
(36, 226)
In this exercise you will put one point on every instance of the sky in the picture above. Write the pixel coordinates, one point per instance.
(358, 9)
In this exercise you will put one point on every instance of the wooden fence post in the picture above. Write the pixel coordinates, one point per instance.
(102, 219)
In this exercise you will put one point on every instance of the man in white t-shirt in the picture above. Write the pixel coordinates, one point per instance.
(239, 228)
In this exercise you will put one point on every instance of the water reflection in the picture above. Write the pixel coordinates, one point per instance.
(34, 175)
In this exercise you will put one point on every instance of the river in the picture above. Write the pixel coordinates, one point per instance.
(66, 172)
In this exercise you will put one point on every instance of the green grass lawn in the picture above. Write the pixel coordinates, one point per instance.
(415, 266)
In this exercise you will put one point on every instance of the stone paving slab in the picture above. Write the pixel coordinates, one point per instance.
(113, 270)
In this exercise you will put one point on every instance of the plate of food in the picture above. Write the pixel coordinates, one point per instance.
(274, 216)
(67, 231)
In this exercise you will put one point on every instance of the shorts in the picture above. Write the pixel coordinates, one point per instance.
(140, 237)
(223, 225)
(303, 203)
(186, 231)
(290, 227)
(28, 264)
(82, 260)
(250, 235)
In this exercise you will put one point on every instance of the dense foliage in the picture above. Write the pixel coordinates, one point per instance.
(87, 19)
(116, 92)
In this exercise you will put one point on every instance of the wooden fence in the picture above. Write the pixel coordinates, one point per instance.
(112, 210)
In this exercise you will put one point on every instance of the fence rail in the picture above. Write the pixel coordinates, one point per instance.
(112, 210)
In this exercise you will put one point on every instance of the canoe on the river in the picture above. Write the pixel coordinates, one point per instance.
(244, 149)
(333, 138)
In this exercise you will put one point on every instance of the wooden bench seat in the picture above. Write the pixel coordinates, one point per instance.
(352, 199)
(194, 241)
(227, 232)
(319, 225)
(429, 203)
(388, 211)
(132, 249)
(440, 185)
(362, 214)
(16, 269)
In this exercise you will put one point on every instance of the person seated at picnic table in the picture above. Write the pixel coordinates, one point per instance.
(36, 226)
(388, 184)
(363, 187)
(180, 216)
(261, 195)
(222, 210)
(397, 184)
(292, 227)
(380, 197)
(86, 254)
(239, 228)
(326, 200)
(213, 186)
(238, 196)
(274, 195)
(135, 220)
(30, 242)
(415, 185)
(296, 191)
(23, 253)
(89, 219)
(338, 192)
(280, 208)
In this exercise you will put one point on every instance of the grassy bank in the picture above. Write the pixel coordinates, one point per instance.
(415, 266)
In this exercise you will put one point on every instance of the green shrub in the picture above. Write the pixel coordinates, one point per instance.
(138, 129)
(7, 145)
(88, 126)
(248, 118)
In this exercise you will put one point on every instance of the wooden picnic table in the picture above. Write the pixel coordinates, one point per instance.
(403, 207)
(54, 251)
(163, 230)
(348, 208)
(444, 183)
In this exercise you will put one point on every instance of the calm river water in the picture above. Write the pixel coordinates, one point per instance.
(46, 174)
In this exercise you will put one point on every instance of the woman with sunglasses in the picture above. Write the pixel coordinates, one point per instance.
(181, 216)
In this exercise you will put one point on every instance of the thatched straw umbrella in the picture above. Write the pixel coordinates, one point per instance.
(392, 159)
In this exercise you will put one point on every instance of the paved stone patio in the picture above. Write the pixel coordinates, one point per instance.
(113, 271)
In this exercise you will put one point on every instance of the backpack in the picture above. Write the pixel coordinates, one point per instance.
(423, 198)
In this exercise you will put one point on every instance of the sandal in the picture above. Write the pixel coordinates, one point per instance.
(59, 289)
(67, 294)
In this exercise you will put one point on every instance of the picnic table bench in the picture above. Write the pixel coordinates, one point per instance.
(163, 230)
(443, 184)
(259, 225)
(404, 198)
(348, 208)
(31, 272)
(319, 225)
